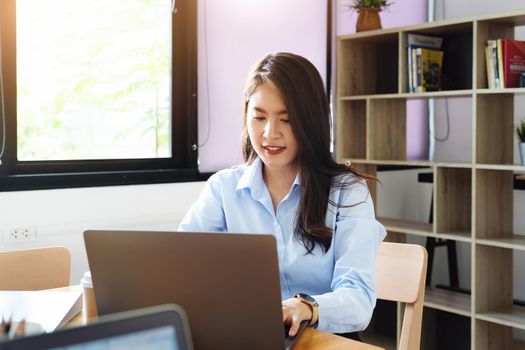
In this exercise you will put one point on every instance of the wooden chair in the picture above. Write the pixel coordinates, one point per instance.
(400, 276)
(35, 269)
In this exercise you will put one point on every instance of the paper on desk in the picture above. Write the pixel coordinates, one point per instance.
(51, 310)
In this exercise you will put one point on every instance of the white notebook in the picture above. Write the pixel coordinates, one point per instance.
(51, 310)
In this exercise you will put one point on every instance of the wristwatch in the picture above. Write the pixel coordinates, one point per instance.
(312, 303)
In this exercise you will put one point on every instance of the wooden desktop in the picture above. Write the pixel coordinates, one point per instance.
(309, 340)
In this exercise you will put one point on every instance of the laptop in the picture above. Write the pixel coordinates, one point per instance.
(228, 284)
(162, 327)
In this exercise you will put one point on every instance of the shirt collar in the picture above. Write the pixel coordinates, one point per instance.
(252, 175)
(253, 180)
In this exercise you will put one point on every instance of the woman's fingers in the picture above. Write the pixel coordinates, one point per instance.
(296, 322)
(294, 311)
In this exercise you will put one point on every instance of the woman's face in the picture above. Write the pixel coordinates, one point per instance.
(270, 131)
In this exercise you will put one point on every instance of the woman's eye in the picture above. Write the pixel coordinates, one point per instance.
(259, 117)
(285, 121)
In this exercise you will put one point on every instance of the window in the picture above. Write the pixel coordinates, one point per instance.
(97, 92)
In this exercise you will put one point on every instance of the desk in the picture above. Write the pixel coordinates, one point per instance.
(310, 339)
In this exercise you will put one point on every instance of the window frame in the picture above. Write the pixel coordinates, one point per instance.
(18, 175)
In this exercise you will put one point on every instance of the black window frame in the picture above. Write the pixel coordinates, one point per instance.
(18, 175)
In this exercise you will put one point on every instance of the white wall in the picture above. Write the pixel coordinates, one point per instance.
(60, 216)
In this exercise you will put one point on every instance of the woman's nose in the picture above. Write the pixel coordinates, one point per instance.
(271, 129)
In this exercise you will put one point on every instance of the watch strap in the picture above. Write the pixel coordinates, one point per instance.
(314, 307)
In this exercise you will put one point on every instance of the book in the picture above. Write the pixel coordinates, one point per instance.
(415, 41)
(431, 67)
(429, 63)
(491, 78)
(492, 45)
(491, 58)
(512, 62)
(501, 74)
(50, 309)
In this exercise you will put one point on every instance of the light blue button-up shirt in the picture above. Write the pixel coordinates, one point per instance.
(341, 280)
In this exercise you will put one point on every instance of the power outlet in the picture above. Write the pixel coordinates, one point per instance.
(20, 235)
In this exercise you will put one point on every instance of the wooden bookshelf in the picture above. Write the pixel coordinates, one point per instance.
(473, 200)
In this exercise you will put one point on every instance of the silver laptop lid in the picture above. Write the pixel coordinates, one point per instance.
(228, 284)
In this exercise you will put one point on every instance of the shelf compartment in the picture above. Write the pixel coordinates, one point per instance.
(496, 312)
(386, 130)
(367, 65)
(490, 335)
(452, 203)
(495, 122)
(492, 29)
(351, 130)
(457, 59)
(449, 301)
(494, 197)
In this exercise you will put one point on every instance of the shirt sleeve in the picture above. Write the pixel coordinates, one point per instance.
(357, 235)
(207, 213)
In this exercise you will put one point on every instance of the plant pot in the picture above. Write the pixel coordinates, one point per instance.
(368, 19)
(521, 146)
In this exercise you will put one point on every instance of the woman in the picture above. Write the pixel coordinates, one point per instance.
(320, 211)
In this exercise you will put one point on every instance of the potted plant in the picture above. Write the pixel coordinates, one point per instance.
(520, 131)
(368, 11)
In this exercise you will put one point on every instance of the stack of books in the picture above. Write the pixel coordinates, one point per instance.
(425, 63)
(505, 60)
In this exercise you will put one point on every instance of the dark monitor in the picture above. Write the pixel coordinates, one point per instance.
(162, 327)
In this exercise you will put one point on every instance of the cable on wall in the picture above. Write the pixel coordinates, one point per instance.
(447, 119)
(2, 105)
(431, 102)
(447, 113)
(205, 20)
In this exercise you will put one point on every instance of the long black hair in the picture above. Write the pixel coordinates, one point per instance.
(301, 88)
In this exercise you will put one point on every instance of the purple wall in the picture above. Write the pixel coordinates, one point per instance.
(234, 34)
(238, 33)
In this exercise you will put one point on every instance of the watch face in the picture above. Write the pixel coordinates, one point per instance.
(306, 297)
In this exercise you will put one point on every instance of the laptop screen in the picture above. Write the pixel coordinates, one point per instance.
(162, 338)
(163, 327)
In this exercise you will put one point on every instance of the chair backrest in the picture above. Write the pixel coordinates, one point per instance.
(35, 269)
(400, 276)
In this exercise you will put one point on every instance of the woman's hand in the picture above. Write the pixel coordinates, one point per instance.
(295, 311)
